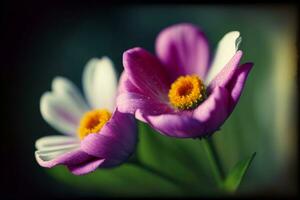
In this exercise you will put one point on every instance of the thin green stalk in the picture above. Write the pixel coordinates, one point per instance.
(158, 173)
(214, 160)
(135, 161)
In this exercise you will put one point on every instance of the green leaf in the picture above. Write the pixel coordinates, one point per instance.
(183, 159)
(125, 180)
(237, 174)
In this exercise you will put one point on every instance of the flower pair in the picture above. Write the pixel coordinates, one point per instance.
(179, 92)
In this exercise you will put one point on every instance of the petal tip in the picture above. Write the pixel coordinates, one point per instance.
(239, 53)
(234, 33)
(57, 81)
(105, 59)
(132, 50)
(247, 66)
(183, 25)
(128, 54)
(44, 104)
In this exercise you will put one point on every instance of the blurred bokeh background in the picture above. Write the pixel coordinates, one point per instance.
(42, 41)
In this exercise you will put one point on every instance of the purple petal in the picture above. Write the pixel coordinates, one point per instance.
(224, 76)
(146, 73)
(214, 110)
(175, 125)
(236, 84)
(100, 145)
(74, 157)
(115, 142)
(205, 119)
(125, 85)
(86, 167)
(130, 102)
(183, 49)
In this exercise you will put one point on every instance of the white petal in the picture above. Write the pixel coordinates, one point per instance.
(48, 142)
(47, 155)
(100, 83)
(63, 107)
(226, 49)
(50, 147)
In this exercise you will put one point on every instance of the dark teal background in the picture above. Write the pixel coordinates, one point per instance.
(44, 41)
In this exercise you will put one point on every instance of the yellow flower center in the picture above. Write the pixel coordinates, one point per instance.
(187, 92)
(92, 122)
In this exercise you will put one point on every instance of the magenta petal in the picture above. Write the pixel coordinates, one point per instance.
(236, 84)
(74, 157)
(87, 167)
(130, 102)
(224, 76)
(125, 85)
(214, 110)
(146, 73)
(122, 127)
(183, 49)
(205, 119)
(115, 142)
(103, 146)
(175, 125)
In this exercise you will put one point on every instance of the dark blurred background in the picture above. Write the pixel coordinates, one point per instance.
(43, 40)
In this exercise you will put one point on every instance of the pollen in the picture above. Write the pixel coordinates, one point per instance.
(92, 122)
(187, 92)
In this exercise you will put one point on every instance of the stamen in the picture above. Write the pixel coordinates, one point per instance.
(92, 122)
(187, 92)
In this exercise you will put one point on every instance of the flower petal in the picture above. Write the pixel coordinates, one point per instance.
(125, 85)
(86, 167)
(51, 153)
(146, 73)
(63, 107)
(175, 125)
(107, 147)
(100, 83)
(226, 73)
(63, 150)
(130, 102)
(115, 142)
(55, 140)
(214, 110)
(77, 161)
(61, 156)
(124, 128)
(205, 119)
(226, 49)
(51, 147)
(236, 84)
(183, 49)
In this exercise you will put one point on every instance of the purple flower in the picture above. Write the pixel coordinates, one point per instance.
(179, 92)
(96, 133)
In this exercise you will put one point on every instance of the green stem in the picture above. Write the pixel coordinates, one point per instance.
(135, 161)
(214, 160)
